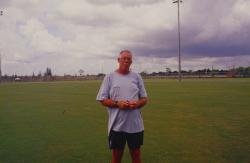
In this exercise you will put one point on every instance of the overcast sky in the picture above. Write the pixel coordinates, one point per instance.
(68, 35)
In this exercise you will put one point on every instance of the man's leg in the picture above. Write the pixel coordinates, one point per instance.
(135, 155)
(135, 140)
(117, 143)
(117, 155)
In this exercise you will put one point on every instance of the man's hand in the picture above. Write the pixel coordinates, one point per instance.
(134, 104)
(123, 104)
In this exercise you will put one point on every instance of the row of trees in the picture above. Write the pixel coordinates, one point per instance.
(47, 75)
(242, 71)
(235, 72)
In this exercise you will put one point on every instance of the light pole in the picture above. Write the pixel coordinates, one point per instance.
(179, 37)
(1, 13)
(0, 67)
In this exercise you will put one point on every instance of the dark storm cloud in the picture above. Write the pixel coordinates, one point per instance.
(160, 43)
(165, 44)
(217, 48)
(203, 34)
(219, 45)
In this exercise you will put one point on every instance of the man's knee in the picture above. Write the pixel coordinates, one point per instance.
(117, 155)
(136, 154)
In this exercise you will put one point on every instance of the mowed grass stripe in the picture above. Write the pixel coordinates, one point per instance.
(192, 121)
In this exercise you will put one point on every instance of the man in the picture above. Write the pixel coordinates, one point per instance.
(123, 93)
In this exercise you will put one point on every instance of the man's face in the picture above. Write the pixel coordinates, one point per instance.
(125, 60)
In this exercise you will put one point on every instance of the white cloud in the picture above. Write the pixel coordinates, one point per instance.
(124, 3)
(39, 38)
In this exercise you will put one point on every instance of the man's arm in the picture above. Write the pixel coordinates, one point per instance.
(122, 104)
(109, 103)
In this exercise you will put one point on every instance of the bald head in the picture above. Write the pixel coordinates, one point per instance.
(125, 52)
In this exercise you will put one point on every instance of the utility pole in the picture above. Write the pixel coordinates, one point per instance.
(1, 14)
(179, 37)
(0, 67)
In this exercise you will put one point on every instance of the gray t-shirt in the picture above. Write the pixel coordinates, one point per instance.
(129, 87)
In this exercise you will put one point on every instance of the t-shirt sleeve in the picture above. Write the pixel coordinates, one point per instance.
(142, 90)
(104, 89)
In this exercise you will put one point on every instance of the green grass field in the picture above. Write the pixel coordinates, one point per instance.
(192, 121)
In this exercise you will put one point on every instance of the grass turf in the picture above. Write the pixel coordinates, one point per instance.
(192, 121)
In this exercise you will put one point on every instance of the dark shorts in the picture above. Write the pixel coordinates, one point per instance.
(117, 140)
